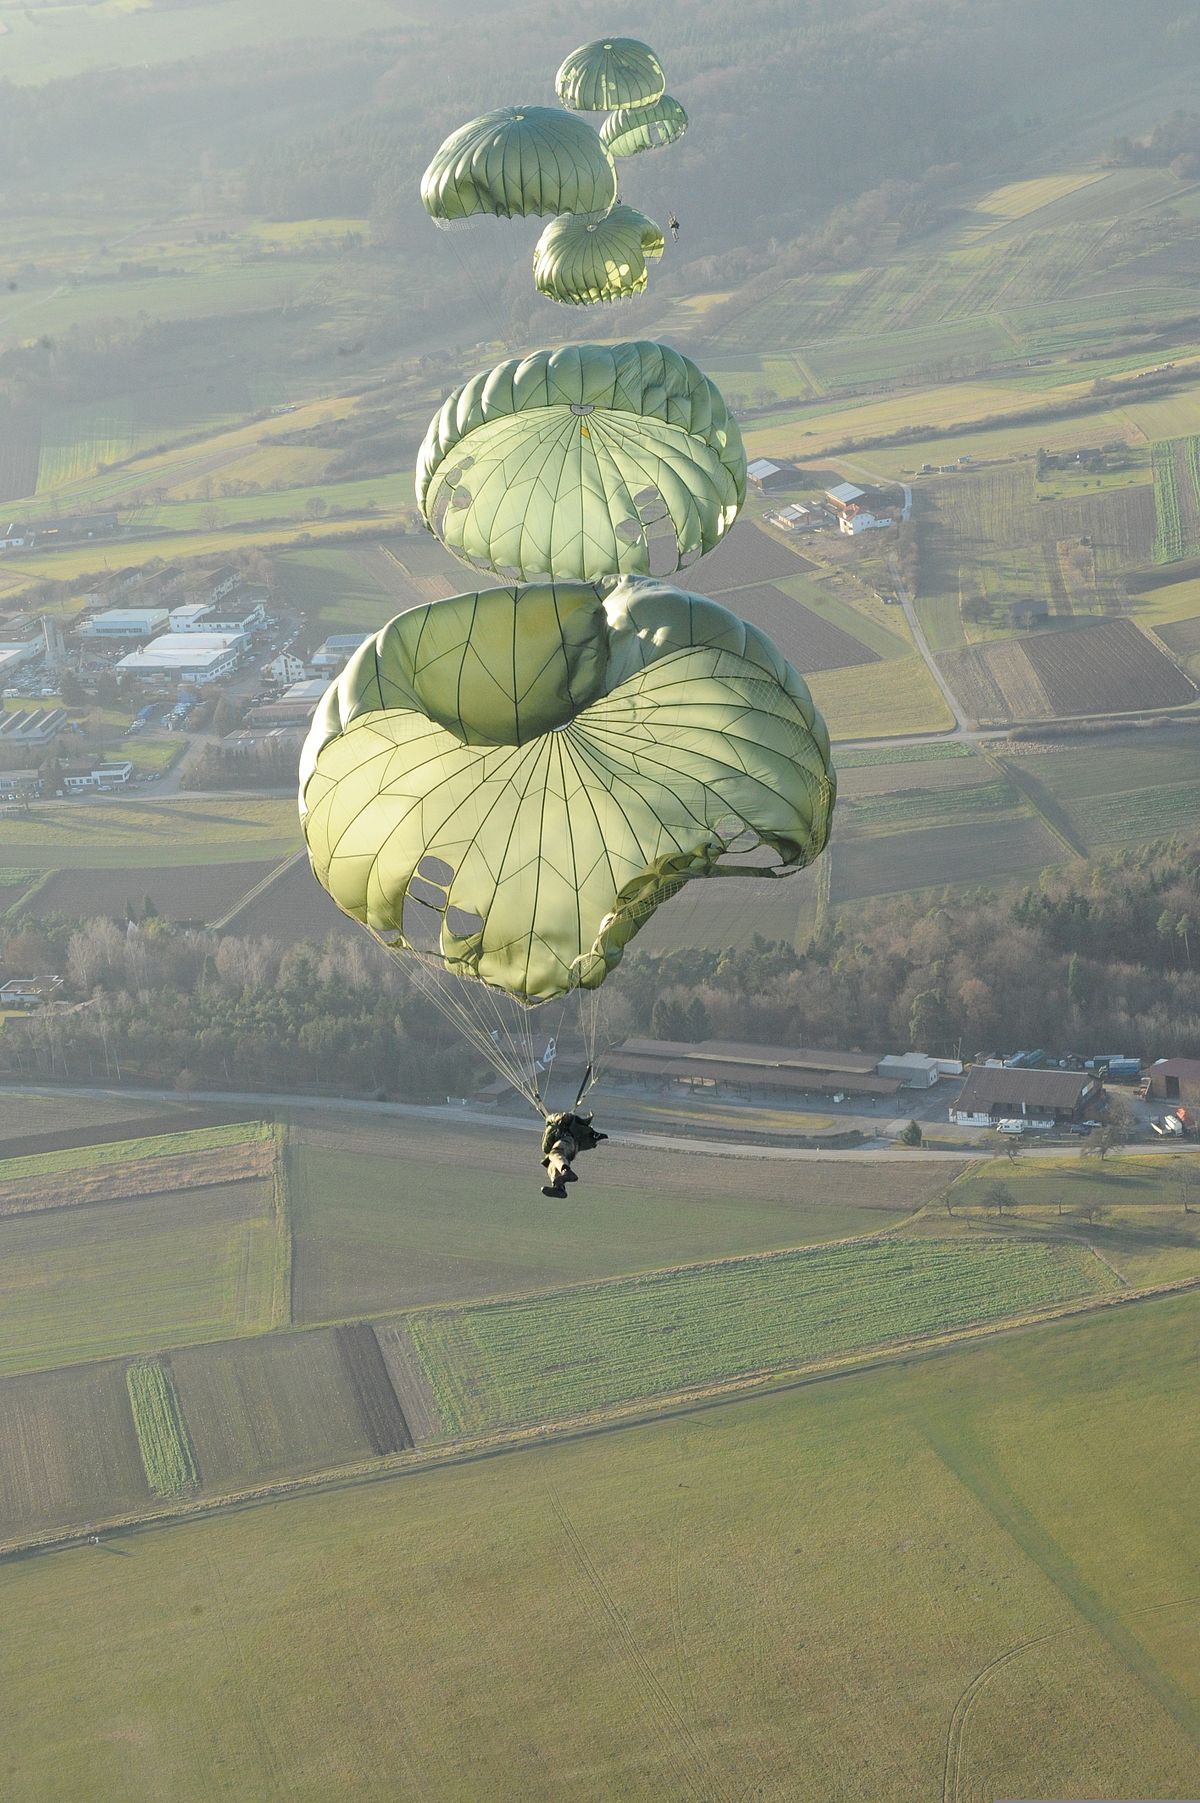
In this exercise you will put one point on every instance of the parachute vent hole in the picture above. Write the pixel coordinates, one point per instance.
(580, 408)
(461, 497)
(663, 549)
(422, 926)
(428, 894)
(466, 463)
(453, 476)
(463, 924)
(628, 531)
(435, 870)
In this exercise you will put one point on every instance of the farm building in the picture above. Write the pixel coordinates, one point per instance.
(798, 518)
(337, 651)
(851, 510)
(104, 776)
(713, 1063)
(913, 1069)
(1040, 1099)
(1175, 1080)
(191, 656)
(766, 475)
(125, 623)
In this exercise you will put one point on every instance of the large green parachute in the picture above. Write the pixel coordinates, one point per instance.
(632, 129)
(508, 783)
(610, 72)
(519, 161)
(590, 461)
(581, 261)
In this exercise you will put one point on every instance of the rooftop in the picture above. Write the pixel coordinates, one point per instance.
(762, 466)
(769, 1057)
(988, 1086)
(845, 492)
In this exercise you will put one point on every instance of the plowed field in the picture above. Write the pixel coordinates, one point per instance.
(198, 892)
(747, 556)
(805, 639)
(1104, 669)
(938, 856)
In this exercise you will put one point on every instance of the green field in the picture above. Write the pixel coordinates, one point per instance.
(508, 1364)
(386, 1219)
(162, 1434)
(123, 1151)
(131, 1275)
(716, 1605)
(148, 834)
(902, 699)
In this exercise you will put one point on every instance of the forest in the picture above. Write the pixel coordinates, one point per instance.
(1097, 958)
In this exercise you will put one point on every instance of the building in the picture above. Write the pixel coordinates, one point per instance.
(236, 614)
(913, 1069)
(20, 785)
(723, 1063)
(33, 726)
(29, 992)
(766, 475)
(125, 623)
(12, 536)
(798, 518)
(1174, 1080)
(15, 653)
(104, 776)
(188, 656)
(294, 708)
(337, 651)
(191, 617)
(287, 667)
(849, 505)
(1038, 1099)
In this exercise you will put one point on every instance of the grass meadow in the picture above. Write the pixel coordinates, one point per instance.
(163, 1438)
(714, 1605)
(146, 834)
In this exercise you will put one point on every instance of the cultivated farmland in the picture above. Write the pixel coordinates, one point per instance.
(269, 1408)
(370, 1378)
(938, 857)
(690, 1607)
(806, 640)
(1094, 670)
(747, 556)
(384, 1217)
(504, 1364)
(162, 1433)
(1176, 463)
(197, 892)
(148, 835)
(68, 1450)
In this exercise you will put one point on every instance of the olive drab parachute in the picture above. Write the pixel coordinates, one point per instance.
(608, 73)
(519, 161)
(632, 129)
(508, 783)
(591, 461)
(582, 261)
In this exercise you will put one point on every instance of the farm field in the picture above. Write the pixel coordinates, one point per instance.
(938, 857)
(900, 698)
(972, 805)
(382, 1220)
(130, 1275)
(805, 639)
(69, 1449)
(231, 1151)
(148, 835)
(269, 1407)
(1176, 464)
(510, 1363)
(1100, 669)
(163, 1439)
(859, 781)
(747, 556)
(196, 892)
(1024, 1501)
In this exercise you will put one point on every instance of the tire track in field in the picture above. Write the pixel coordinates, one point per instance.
(654, 1696)
(960, 1716)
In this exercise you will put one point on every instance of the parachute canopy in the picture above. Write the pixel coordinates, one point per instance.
(518, 161)
(581, 261)
(631, 129)
(610, 72)
(589, 461)
(508, 783)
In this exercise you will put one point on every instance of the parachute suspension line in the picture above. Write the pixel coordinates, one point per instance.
(485, 297)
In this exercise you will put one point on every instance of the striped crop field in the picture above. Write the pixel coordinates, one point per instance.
(510, 1363)
(162, 1433)
(1176, 463)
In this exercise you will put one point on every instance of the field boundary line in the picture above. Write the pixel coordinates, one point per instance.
(30, 894)
(644, 1412)
(252, 894)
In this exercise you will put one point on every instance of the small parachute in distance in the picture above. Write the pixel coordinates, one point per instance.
(519, 161)
(583, 261)
(631, 129)
(504, 786)
(608, 73)
(590, 461)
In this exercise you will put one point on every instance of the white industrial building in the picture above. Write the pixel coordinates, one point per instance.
(287, 667)
(104, 776)
(192, 617)
(236, 615)
(188, 656)
(125, 623)
(12, 656)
